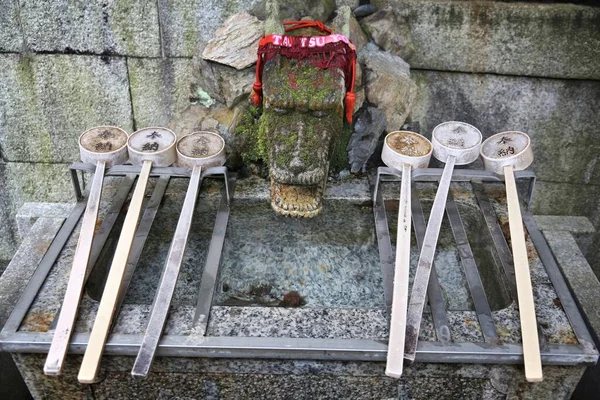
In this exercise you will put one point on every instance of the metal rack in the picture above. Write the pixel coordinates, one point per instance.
(441, 351)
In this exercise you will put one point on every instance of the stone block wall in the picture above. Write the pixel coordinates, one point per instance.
(66, 66)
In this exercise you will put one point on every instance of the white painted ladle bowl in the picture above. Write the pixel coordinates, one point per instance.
(402, 150)
(146, 146)
(454, 143)
(104, 146)
(503, 153)
(197, 150)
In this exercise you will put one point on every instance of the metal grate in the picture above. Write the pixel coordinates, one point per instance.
(441, 350)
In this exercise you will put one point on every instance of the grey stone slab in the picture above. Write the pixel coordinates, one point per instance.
(567, 199)
(549, 40)
(123, 27)
(30, 212)
(24, 263)
(560, 116)
(25, 182)
(47, 101)
(188, 25)
(11, 38)
(160, 88)
(577, 225)
(578, 274)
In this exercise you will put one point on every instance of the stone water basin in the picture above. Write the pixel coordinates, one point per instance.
(330, 264)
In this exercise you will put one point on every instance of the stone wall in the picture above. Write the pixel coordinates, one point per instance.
(67, 66)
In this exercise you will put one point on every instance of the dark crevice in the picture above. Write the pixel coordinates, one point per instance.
(508, 75)
(133, 122)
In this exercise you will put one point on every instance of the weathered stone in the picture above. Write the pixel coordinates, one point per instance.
(368, 128)
(346, 24)
(11, 38)
(25, 182)
(360, 98)
(350, 3)
(188, 25)
(47, 101)
(121, 27)
(235, 43)
(226, 84)
(364, 10)
(160, 88)
(29, 213)
(388, 85)
(548, 40)
(297, 9)
(559, 115)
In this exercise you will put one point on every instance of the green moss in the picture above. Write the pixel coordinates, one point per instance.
(339, 154)
(248, 129)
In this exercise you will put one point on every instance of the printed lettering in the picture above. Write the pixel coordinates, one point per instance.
(106, 146)
(154, 135)
(277, 39)
(286, 41)
(311, 42)
(320, 41)
(303, 41)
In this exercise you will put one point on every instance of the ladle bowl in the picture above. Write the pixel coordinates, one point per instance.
(146, 147)
(402, 150)
(503, 153)
(104, 146)
(507, 148)
(454, 143)
(197, 150)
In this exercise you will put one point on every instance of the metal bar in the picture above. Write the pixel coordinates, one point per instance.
(560, 286)
(141, 235)
(500, 244)
(482, 307)
(39, 276)
(458, 175)
(173, 172)
(386, 256)
(213, 260)
(76, 187)
(434, 290)
(305, 349)
(419, 289)
(168, 280)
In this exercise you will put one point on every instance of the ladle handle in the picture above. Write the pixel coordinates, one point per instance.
(395, 354)
(168, 281)
(531, 346)
(418, 294)
(95, 346)
(81, 259)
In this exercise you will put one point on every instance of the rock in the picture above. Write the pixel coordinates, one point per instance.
(559, 115)
(11, 39)
(235, 43)
(510, 38)
(388, 85)
(189, 24)
(225, 84)
(319, 10)
(160, 88)
(368, 128)
(346, 24)
(100, 27)
(364, 10)
(49, 100)
(217, 118)
(390, 32)
(360, 99)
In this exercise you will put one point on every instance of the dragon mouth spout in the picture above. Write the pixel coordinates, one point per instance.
(301, 201)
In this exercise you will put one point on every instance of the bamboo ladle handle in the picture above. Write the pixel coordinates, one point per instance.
(95, 347)
(531, 347)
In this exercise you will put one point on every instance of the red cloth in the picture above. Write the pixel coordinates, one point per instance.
(332, 51)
